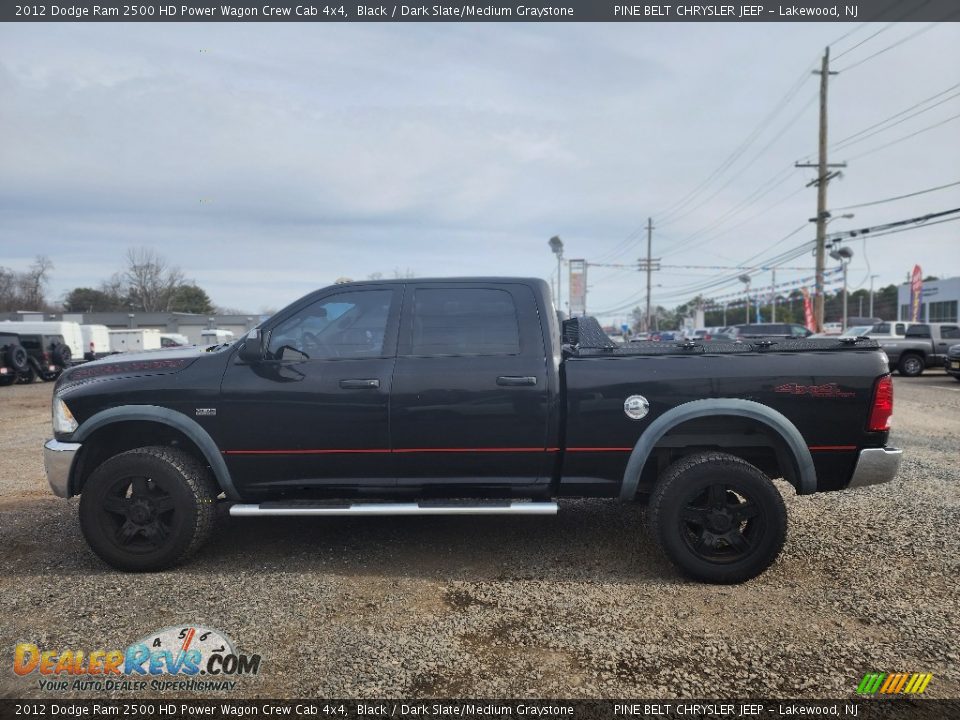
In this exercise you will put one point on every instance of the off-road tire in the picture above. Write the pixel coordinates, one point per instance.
(910, 365)
(171, 474)
(680, 491)
(28, 376)
(17, 358)
(61, 354)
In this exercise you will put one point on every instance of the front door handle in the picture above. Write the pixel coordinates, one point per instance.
(516, 380)
(360, 384)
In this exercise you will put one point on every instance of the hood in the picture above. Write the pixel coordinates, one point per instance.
(149, 362)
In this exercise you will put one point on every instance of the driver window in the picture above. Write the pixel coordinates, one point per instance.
(345, 325)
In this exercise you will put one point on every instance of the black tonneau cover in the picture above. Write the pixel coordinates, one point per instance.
(583, 337)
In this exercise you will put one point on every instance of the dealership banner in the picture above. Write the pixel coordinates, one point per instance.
(487, 11)
(916, 293)
(578, 288)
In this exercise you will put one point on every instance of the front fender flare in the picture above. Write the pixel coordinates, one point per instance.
(165, 416)
(776, 421)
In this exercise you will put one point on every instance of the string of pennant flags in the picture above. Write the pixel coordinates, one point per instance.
(831, 277)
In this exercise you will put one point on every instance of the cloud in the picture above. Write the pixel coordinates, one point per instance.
(284, 156)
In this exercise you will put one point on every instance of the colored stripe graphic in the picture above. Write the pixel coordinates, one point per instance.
(362, 451)
(894, 683)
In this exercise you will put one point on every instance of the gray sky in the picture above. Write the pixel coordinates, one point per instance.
(323, 151)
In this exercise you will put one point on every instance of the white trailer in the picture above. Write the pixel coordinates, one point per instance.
(70, 331)
(134, 340)
(96, 340)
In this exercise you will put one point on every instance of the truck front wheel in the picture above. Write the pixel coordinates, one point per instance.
(148, 508)
(718, 518)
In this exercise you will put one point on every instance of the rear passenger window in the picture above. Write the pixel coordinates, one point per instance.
(950, 332)
(469, 321)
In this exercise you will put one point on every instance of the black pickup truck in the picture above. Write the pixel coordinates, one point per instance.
(465, 396)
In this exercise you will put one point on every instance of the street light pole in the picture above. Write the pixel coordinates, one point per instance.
(871, 293)
(844, 255)
(556, 246)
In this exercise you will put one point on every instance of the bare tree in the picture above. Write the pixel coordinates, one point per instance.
(9, 298)
(150, 279)
(33, 284)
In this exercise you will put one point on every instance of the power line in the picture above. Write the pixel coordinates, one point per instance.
(920, 219)
(905, 229)
(686, 246)
(783, 130)
(899, 197)
(906, 137)
(843, 145)
(899, 42)
(869, 37)
(741, 148)
(896, 115)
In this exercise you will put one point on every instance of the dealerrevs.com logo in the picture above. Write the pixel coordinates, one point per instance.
(175, 658)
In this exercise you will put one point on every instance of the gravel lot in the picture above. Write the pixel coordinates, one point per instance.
(579, 605)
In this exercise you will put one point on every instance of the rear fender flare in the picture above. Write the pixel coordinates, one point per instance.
(776, 421)
(189, 427)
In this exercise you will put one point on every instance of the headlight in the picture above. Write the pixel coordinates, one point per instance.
(63, 420)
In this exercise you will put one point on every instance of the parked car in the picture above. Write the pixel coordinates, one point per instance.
(215, 336)
(923, 346)
(720, 337)
(14, 361)
(891, 329)
(770, 331)
(832, 328)
(952, 363)
(48, 356)
(168, 340)
(853, 331)
(464, 396)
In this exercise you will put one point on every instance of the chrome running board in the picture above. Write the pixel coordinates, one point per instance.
(426, 507)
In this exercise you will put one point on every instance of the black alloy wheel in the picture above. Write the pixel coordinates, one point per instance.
(717, 517)
(149, 508)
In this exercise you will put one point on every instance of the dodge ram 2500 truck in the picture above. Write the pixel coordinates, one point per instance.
(465, 396)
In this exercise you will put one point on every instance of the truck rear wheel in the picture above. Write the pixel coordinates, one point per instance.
(148, 508)
(718, 518)
(910, 365)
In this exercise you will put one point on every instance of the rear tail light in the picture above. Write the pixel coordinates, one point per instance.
(881, 411)
(706, 337)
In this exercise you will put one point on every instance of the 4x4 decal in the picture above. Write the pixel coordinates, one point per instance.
(827, 390)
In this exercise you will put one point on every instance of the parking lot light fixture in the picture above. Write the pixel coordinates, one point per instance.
(556, 247)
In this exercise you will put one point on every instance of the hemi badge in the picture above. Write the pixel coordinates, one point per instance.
(203, 412)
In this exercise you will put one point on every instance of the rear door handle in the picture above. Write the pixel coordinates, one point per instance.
(360, 384)
(516, 380)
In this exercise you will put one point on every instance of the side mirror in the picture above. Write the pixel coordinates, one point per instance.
(251, 348)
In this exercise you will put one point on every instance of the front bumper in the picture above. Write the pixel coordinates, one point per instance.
(875, 466)
(58, 462)
(952, 366)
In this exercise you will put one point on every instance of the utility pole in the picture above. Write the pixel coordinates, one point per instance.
(871, 294)
(649, 264)
(824, 176)
(773, 295)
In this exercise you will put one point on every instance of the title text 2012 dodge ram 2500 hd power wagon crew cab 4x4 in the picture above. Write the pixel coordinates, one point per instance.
(465, 396)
